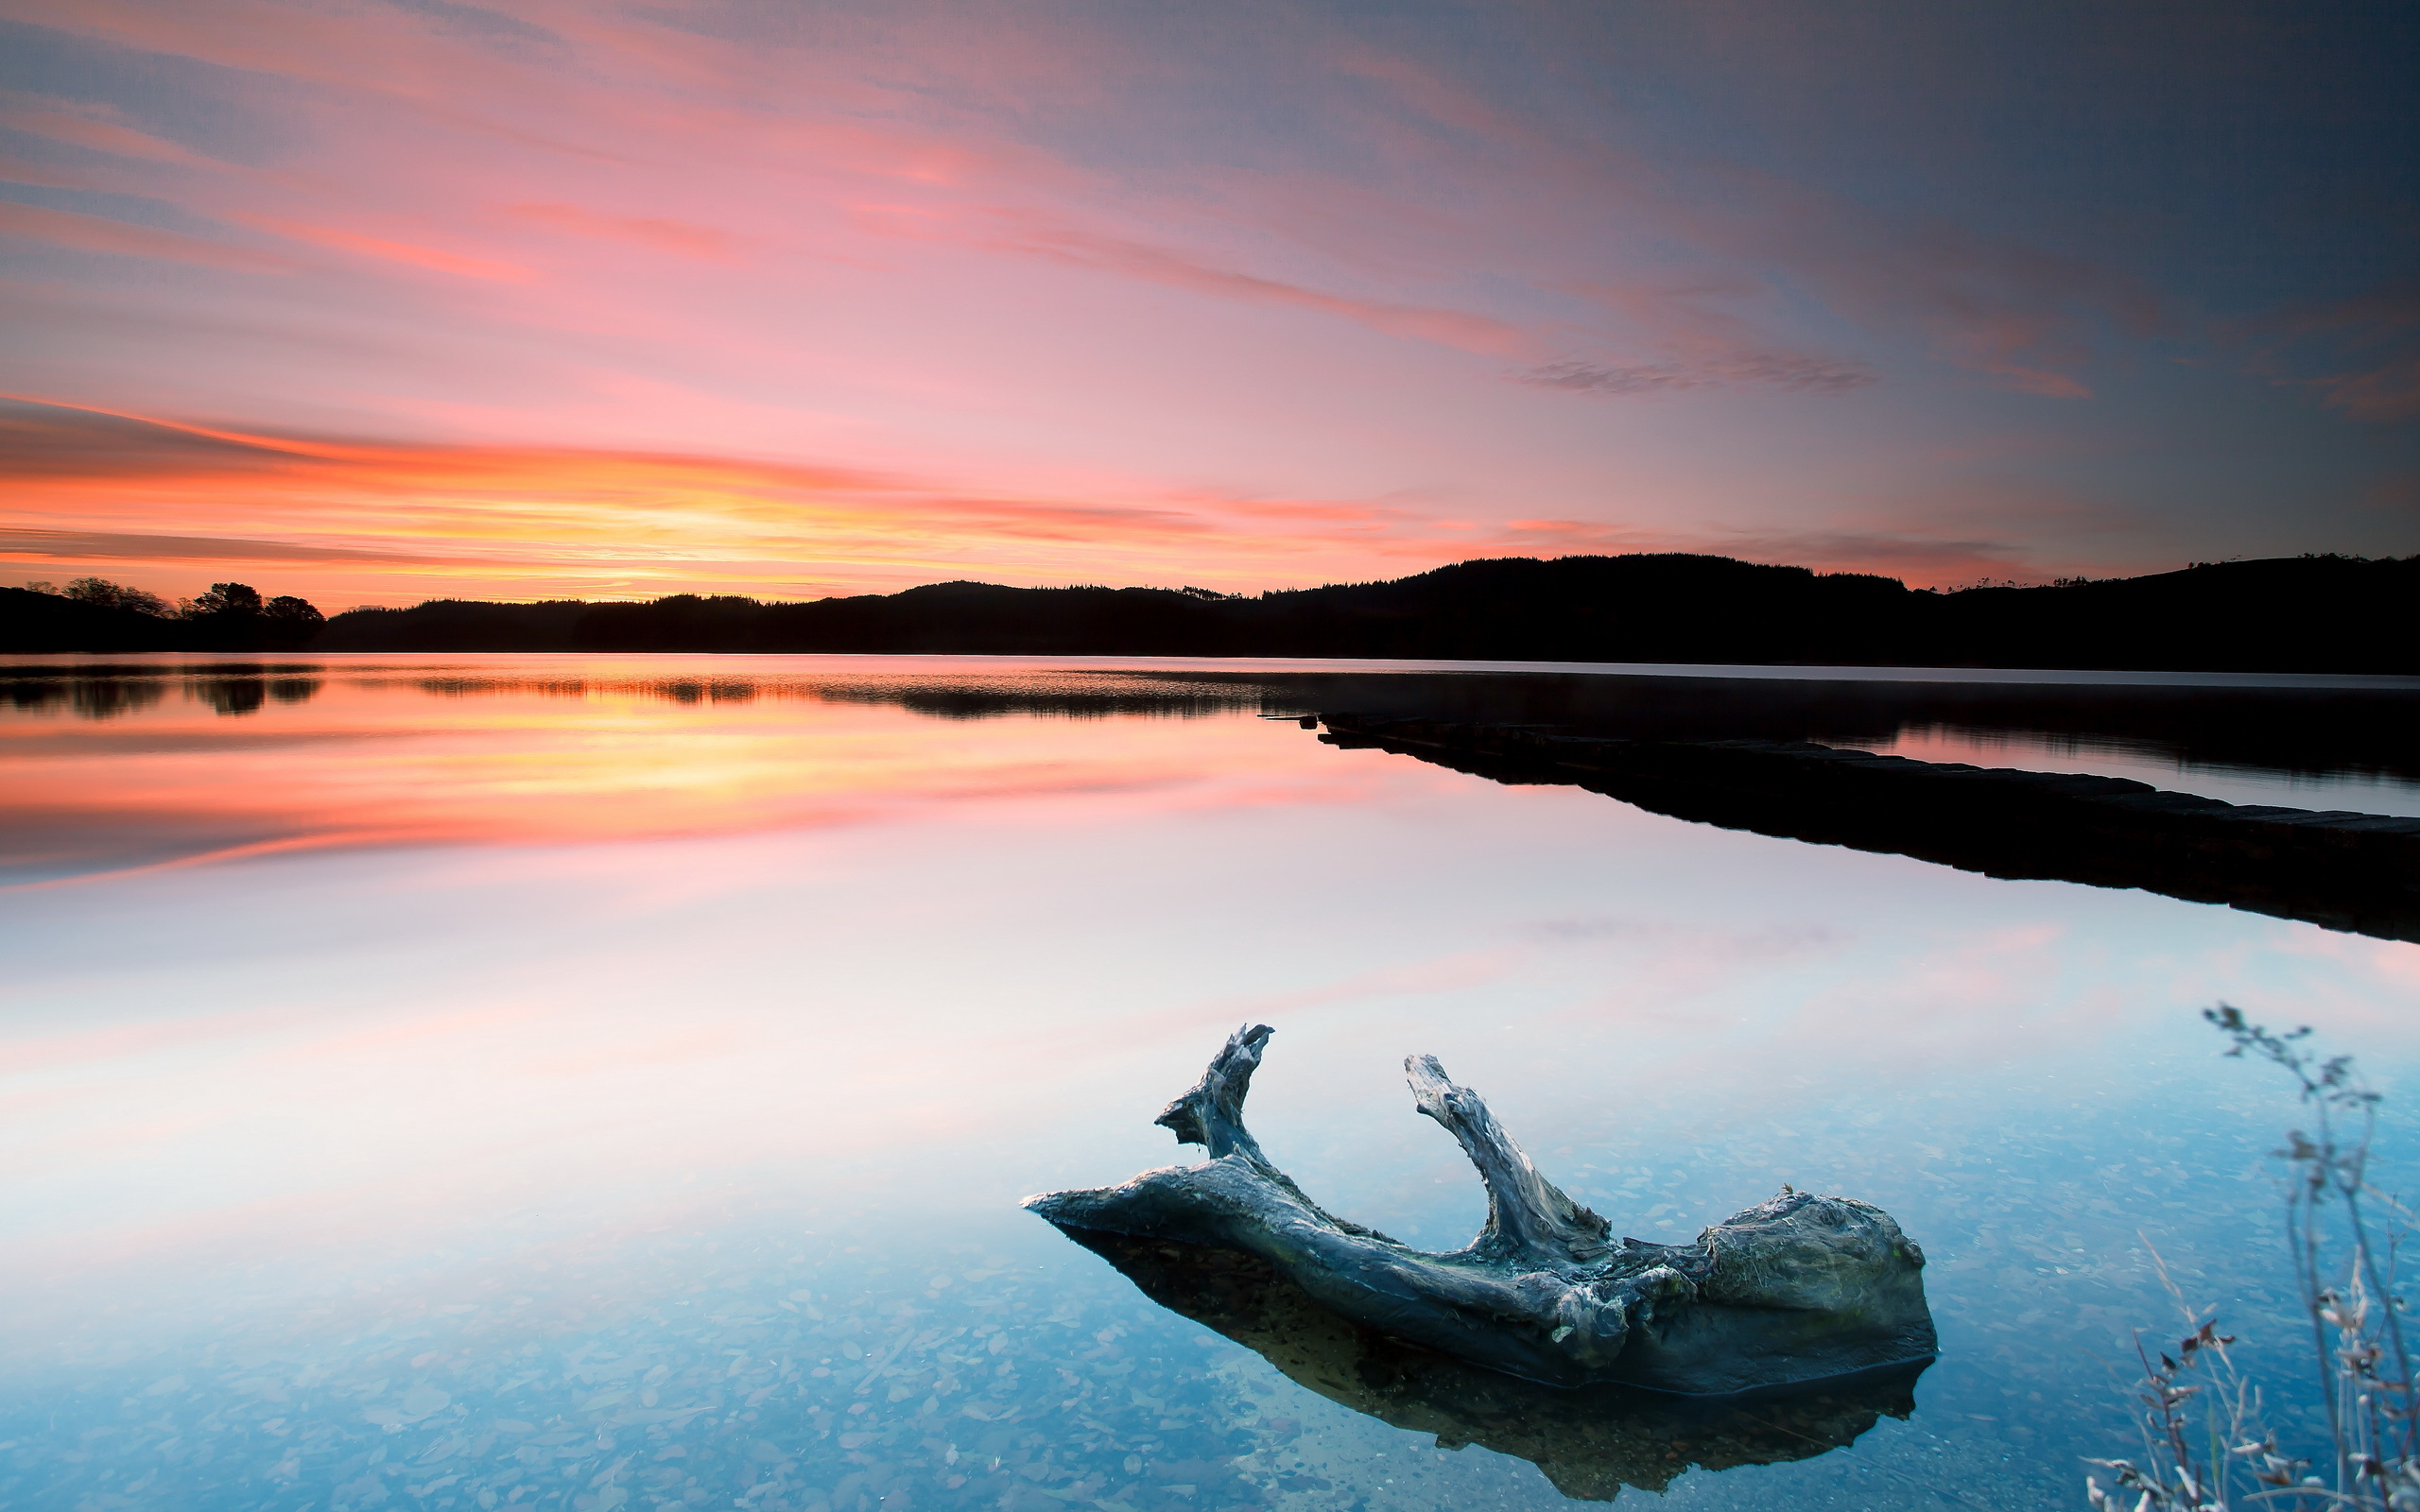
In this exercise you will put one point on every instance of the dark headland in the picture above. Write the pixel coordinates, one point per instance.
(2324, 613)
(2355, 873)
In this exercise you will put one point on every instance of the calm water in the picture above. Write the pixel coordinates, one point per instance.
(593, 1083)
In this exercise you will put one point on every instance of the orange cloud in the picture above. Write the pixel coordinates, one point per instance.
(556, 521)
(393, 522)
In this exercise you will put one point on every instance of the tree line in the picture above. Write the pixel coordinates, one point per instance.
(2289, 614)
(224, 600)
(96, 614)
(2312, 613)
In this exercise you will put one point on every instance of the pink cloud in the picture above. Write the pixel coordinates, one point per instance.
(1788, 371)
(404, 521)
(2370, 345)
(434, 259)
(96, 234)
(101, 129)
(1029, 235)
(687, 240)
(2018, 313)
(1005, 259)
(1452, 328)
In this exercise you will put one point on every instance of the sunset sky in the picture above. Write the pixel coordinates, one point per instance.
(377, 301)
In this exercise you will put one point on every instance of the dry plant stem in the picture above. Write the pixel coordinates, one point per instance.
(2344, 1237)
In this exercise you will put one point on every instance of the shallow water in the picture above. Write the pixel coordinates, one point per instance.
(2360, 792)
(590, 1083)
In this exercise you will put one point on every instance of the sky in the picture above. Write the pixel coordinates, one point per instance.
(393, 300)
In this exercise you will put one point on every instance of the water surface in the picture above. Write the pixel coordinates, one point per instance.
(591, 1082)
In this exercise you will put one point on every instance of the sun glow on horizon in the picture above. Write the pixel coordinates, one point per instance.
(361, 523)
(610, 302)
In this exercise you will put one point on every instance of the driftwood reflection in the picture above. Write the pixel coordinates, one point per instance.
(1590, 1442)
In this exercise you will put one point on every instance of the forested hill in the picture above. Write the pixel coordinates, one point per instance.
(2308, 614)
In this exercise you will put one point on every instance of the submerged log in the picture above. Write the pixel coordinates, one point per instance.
(1794, 1289)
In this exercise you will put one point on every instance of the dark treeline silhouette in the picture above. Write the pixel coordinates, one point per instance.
(2303, 614)
(2324, 613)
(95, 614)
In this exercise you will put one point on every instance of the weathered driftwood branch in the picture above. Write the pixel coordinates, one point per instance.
(1793, 1289)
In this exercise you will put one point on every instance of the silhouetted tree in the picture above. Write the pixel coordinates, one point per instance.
(103, 593)
(234, 617)
(229, 599)
(297, 613)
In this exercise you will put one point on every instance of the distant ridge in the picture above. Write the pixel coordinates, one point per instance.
(2301, 613)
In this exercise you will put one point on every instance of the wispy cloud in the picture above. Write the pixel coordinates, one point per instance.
(89, 545)
(103, 485)
(1039, 295)
(98, 234)
(2021, 314)
(395, 520)
(1004, 229)
(1787, 371)
(656, 232)
(98, 128)
(411, 255)
(2367, 347)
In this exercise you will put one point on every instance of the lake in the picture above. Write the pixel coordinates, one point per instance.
(582, 1082)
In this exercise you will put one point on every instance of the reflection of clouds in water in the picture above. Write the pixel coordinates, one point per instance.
(266, 1122)
(432, 1035)
(105, 690)
(1042, 693)
(2358, 788)
(654, 1039)
(362, 766)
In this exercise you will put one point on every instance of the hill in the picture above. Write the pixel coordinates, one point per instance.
(2305, 613)
(47, 622)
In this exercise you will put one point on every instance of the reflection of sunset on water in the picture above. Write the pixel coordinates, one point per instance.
(500, 1002)
(340, 756)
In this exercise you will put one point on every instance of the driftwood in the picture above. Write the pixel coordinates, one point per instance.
(1794, 1289)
